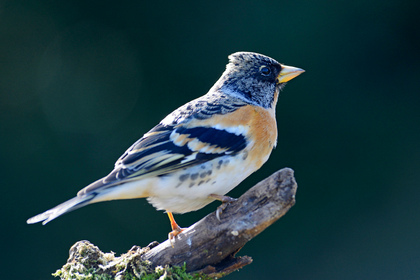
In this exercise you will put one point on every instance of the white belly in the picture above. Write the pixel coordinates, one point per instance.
(188, 190)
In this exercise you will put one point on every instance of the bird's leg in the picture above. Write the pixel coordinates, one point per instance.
(176, 229)
(225, 202)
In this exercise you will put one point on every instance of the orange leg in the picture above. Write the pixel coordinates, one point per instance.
(176, 229)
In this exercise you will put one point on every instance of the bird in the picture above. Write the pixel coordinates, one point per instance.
(200, 151)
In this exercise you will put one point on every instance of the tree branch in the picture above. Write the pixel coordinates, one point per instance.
(209, 246)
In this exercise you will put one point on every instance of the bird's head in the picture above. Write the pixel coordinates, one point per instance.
(255, 78)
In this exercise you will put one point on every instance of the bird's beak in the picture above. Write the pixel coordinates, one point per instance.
(288, 72)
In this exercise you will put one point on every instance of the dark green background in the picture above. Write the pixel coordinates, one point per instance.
(80, 81)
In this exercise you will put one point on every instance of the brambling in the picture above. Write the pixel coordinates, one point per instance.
(203, 149)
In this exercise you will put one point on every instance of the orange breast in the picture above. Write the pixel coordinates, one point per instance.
(261, 129)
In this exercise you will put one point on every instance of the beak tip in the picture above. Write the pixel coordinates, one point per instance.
(299, 70)
(288, 73)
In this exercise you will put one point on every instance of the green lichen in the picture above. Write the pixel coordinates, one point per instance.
(87, 262)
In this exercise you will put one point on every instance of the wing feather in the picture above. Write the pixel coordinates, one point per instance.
(168, 148)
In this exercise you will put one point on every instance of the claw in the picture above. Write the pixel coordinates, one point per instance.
(173, 234)
(225, 202)
(220, 209)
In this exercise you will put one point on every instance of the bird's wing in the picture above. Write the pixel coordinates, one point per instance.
(170, 147)
(167, 149)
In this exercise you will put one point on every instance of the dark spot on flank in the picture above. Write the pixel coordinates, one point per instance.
(199, 183)
(194, 176)
(209, 172)
(245, 156)
(226, 162)
(191, 185)
(184, 177)
(204, 174)
(219, 164)
(203, 166)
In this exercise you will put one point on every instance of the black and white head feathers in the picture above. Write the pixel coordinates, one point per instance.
(251, 77)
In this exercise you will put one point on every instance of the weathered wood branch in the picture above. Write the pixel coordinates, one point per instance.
(210, 241)
(209, 246)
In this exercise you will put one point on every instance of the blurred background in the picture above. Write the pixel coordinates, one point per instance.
(80, 81)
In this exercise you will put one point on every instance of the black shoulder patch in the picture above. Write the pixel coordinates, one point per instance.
(216, 137)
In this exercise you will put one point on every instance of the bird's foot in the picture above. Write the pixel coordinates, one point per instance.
(175, 231)
(226, 200)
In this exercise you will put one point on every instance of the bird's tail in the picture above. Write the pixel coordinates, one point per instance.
(65, 207)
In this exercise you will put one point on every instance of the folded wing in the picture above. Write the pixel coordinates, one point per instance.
(168, 148)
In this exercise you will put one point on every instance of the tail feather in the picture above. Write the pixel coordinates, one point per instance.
(65, 207)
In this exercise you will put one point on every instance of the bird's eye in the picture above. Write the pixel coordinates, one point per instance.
(265, 70)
